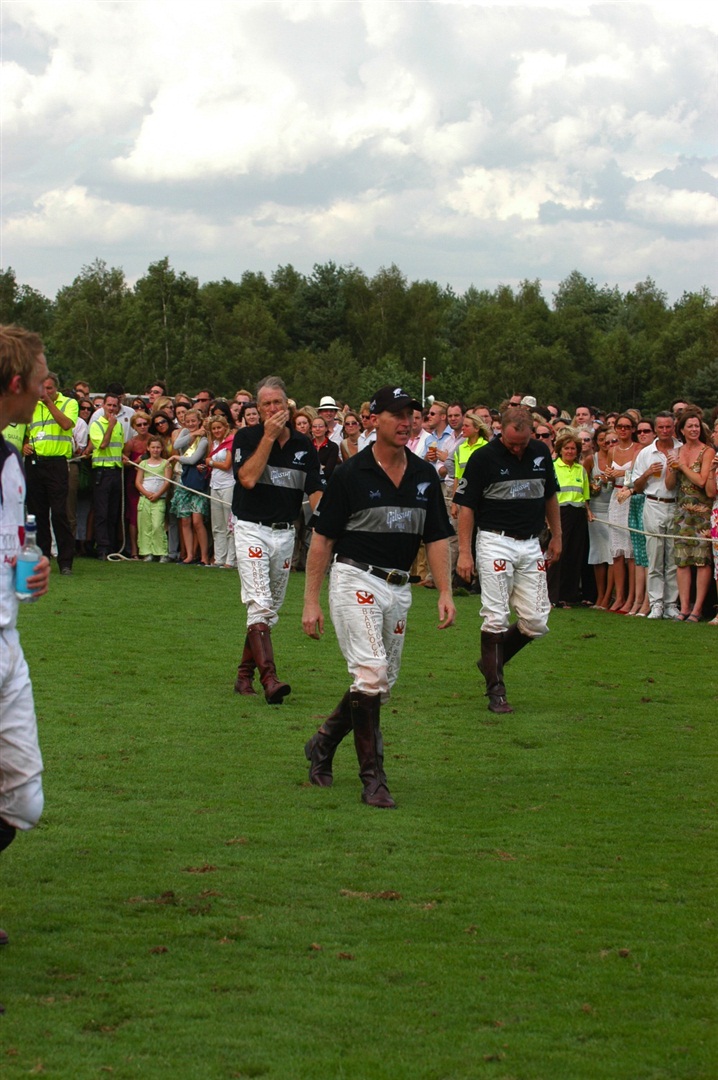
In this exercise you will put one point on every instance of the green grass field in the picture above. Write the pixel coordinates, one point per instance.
(541, 906)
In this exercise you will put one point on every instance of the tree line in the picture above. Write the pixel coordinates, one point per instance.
(338, 331)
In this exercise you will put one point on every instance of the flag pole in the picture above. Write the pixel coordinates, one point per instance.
(423, 381)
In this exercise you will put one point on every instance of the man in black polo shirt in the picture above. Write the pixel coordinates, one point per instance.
(378, 508)
(274, 466)
(509, 491)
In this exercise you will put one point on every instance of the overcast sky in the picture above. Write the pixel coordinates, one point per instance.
(469, 143)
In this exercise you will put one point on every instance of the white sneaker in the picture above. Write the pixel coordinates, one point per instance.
(146, 558)
(165, 559)
(672, 612)
(656, 611)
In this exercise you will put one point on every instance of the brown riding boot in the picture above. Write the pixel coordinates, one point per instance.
(260, 641)
(245, 671)
(491, 666)
(320, 749)
(514, 641)
(370, 749)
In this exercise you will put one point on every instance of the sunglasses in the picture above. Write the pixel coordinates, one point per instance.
(351, 423)
(544, 435)
(624, 427)
(645, 431)
(611, 442)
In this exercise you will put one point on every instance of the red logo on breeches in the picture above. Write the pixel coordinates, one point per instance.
(365, 597)
(542, 565)
(400, 626)
(255, 552)
(286, 564)
(499, 565)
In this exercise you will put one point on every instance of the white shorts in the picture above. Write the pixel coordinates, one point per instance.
(264, 559)
(21, 798)
(369, 617)
(512, 575)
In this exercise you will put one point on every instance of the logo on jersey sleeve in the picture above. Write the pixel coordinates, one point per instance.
(237, 455)
(364, 597)
(254, 552)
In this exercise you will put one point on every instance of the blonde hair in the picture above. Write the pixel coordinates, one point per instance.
(19, 352)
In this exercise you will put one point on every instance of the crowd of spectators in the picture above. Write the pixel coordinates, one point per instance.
(638, 500)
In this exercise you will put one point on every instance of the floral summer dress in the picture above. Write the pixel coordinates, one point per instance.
(692, 521)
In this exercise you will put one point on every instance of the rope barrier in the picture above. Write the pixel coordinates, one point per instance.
(660, 536)
(117, 556)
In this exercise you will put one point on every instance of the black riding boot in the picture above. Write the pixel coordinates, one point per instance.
(491, 666)
(369, 747)
(320, 749)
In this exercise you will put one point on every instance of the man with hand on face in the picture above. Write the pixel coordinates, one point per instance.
(377, 509)
(509, 490)
(23, 372)
(47, 452)
(274, 466)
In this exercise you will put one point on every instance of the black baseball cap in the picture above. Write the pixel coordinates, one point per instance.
(392, 399)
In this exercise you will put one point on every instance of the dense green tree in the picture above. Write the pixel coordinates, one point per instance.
(702, 388)
(24, 305)
(89, 336)
(247, 342)
(688, 343)
(170, 339)
(334, 371)
(322, 307)
(338, 331)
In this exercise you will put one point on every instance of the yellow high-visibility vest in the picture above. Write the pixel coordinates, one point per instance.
(46, 436)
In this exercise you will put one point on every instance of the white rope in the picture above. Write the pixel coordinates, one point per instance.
(660, 536)
(117, 556)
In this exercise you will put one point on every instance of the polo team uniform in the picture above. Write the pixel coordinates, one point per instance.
(265, 515)
(564, 577)
(106, 482)
(21, 797)
(47, 472)
(377, 529)
(508, 495)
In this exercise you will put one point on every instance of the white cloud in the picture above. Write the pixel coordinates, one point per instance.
(72, 216)
(661, 206)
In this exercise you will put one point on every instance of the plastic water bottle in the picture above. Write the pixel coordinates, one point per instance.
(28, 558)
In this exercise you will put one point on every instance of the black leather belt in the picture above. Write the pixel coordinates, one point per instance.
(657, 498)
(392, 577)
(282, 525)
(511, 536)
